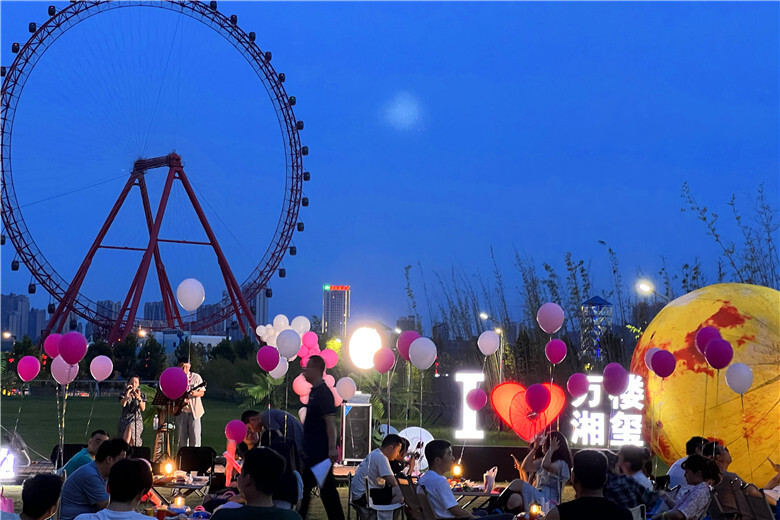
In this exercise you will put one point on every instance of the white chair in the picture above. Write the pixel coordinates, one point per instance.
(638, 512)
(383, 512)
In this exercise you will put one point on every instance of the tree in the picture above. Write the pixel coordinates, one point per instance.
(124, 355)
(151, 359)
(245, 348)
(195, 353)
(223, 350)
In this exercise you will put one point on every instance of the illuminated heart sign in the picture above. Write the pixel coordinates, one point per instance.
(508, 400)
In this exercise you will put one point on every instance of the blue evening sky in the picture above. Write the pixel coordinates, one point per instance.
(436, 130)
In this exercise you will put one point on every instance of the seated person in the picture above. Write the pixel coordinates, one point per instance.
(728, 501)
(85, 490)
(400, 466)
(772, 488)
(290, 491)
(440, 460)
(128, 481)
(631, 460)
(517, 497)
(588, 476)
(86, 455)
(676, 474)
(40, 498)
(381, 481)
(252, 419)
(258, 481)
(624, 490)
(691, 503)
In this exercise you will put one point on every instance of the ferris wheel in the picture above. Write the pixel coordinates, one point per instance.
(104, 87)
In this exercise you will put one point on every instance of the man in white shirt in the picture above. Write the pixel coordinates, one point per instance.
(128, 481)
(381, 481)
(676, 473)
(440, 460)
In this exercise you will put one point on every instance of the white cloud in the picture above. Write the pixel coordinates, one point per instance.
(402, 112)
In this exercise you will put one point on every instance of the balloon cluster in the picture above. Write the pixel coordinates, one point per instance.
(550, 317)
(615, 381)
(421, 352)
(285, 340)
(660, 362)
(302, 388)
(66, 351)
(718, 352)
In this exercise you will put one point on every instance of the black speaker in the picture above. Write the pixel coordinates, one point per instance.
(356, 435)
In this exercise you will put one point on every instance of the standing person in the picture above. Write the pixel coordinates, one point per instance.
(128, 481)
(188, 421)
(319, 440)
(85, 490)
(589, 474)
(131, 423)
(86, 455)
(553, 469)
(40, 497)
(676, 474)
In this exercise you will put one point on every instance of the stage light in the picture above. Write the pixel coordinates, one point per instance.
(7, 460)
(363, 344)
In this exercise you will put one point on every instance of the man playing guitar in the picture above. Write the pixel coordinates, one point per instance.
(188, 421)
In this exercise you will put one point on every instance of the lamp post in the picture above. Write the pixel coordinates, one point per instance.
(646, 287)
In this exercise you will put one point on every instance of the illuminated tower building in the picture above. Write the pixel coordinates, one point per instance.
(335, 310)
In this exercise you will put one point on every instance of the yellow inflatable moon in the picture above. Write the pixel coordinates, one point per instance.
(695, 399)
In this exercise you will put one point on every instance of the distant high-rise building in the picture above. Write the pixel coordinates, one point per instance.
(37, 322)
(153, 311)
(15, 314)
(335, 310)
(111, 309)
(259, 308)
(407, 323)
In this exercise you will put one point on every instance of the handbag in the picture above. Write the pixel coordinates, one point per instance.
(6, 503)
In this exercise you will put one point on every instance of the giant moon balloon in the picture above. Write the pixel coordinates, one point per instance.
(747, 316)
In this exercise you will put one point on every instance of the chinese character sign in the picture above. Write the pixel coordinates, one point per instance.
(597, 417)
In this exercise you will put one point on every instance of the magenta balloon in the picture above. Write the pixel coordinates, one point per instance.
(309, 339)
(235, 430)
(704, 336)
(649, 357)
(537, 397)
(300, 386)
(719, 353)
(101, 367)
(330, 357)
(267, 358)
(62, 371)
(73, 347)
(384, 359)
(52, 345)
(577, 385)
(555, 350)
(476, 399)
(173, 382)
(663, 363)
(405, 341)
(28, 368)
(615, 379)
(550, 317)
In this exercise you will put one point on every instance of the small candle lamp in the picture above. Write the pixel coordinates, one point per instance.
(179, 501)
(535, 510)
(457, 472)
(168, 468)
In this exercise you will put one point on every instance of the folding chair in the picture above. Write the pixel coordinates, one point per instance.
(199, 459)
(638, 512)
(757, 503)
(425, 504)
(715, 509)
(362, 512)
(380, 511)
(411, 502)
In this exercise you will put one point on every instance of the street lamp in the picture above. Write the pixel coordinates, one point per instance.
(500, 332)
(646, 287)
(7, 335)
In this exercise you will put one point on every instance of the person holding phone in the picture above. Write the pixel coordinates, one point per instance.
(131, 423)
(553, 469)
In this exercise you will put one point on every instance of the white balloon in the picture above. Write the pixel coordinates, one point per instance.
(489, 342)
(281, 322)
(301, 324)
(346, 388)
(302, 413)
(280, 370)
(422, 353)
(289, 343)
(271, 340)
(260, 330)
(739, 377)
(190, 294)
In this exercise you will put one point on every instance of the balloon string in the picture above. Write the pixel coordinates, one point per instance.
(653, 440)
(89, 420)
(704, 415)
(717, 387)
(389, 373)
(21, 401)
(747, 437)
(59, 421)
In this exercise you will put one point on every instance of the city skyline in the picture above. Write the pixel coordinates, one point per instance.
(438, 132)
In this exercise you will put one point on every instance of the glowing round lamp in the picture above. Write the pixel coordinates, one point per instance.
(363, 345)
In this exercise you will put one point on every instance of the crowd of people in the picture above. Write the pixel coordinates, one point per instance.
(281, 463)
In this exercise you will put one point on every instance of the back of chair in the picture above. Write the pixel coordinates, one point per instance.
(638, 512)
(740, 500)
(196, 459)
(142, 452)
(425, 504)
(715, 509)
(411, 501)
(759, 507)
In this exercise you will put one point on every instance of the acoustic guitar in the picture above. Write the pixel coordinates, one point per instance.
(182, 401)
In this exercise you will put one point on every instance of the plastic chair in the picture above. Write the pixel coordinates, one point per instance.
(638, 512)
(757, 503)
(381, 511)
(362, 512)
(412, 504)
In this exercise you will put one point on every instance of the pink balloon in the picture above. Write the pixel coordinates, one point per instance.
(555, 350)
(649, 357)
(476, 399)
(304, 398)
(330, 357)
(537, 397)
(101, 367)
(615, 379)
(663, 363)
(384, 359)
(550, 317)
(28, 368)
(300, 386)
(309, 339)
(52, 345)
(329, 380)
(235, 430)
(303, 351)
(405, 341)
(577, 385)
(62, 371)
(304, 361)
(704, 336)
(719, 353)
(337, 400)
(173, 382)
(268, 358)
(73, 347)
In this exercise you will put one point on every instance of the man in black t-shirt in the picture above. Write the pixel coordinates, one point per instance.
(319, 440)
(588, 476)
